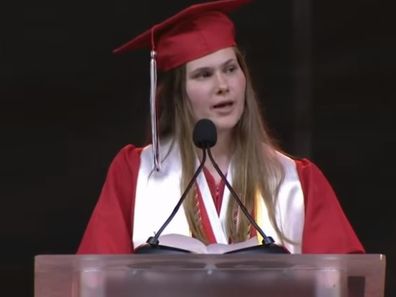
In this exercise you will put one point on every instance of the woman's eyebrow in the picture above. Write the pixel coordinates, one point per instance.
(200, 69)
(232, 60)
(206, 68)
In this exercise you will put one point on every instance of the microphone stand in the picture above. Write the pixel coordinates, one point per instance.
(268, 244)
(204, 137)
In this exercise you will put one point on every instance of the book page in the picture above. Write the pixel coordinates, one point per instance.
(183, 242)
(219, 248)
(196, 246)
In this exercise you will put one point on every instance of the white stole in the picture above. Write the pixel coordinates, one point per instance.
(157, 193)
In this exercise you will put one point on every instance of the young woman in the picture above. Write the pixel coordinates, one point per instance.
(205, 76)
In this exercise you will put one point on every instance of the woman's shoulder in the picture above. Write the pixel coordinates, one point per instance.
(127, 157)
(309, 174)
(303, 165)
(130, 151)
(306, 170)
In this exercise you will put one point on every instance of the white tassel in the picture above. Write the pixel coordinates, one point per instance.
(153, 111)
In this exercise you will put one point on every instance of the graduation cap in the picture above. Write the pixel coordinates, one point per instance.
(194, 32)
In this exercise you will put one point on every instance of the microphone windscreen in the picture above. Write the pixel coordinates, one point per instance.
(204, 134)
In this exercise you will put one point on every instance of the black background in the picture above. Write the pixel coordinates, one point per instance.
(325, 72)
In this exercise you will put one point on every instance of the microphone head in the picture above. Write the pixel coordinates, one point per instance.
(205, 134)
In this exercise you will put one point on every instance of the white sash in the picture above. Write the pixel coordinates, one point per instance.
(157, 193)
(289, 209)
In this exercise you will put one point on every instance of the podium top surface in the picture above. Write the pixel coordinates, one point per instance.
(352, 263)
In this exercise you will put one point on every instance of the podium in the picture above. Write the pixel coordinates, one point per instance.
(191, 275)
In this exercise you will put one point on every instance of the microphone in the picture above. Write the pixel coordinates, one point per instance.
(204, 137)
(268, 244)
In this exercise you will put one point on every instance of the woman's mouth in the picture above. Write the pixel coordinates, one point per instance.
(223, 104)
(224, 108)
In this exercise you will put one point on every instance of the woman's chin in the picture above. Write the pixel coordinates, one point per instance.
(225, 126)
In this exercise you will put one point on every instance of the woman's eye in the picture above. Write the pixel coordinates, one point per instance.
(231, 68)
(202, 74)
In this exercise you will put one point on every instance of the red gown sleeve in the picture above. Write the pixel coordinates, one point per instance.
(326, 228)
(109, 230)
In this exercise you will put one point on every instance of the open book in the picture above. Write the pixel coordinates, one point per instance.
(196, 246)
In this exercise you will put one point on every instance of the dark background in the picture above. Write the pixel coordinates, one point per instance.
(325, 71)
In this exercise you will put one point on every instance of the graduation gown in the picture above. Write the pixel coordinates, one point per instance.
(110, 229)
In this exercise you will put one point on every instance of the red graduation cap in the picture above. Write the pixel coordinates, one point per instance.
(194, 32)
(190, 34)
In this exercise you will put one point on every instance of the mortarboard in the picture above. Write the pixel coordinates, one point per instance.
(192, 33)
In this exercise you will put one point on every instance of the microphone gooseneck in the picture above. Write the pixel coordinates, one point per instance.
(266, 239)
(203, 138)
(268, 242)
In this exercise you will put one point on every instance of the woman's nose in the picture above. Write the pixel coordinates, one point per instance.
(222, 83)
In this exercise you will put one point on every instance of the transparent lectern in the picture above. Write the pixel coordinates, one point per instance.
(210, 275)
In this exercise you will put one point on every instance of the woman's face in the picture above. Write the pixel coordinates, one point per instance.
(215, 86)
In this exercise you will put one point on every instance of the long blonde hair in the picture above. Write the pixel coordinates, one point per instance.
(256, 167)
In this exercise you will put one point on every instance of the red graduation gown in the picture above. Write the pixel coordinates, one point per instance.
(109, 231)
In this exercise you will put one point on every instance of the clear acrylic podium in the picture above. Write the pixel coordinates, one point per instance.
(210, 275)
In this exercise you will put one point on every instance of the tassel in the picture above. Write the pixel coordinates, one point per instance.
(153, 111)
